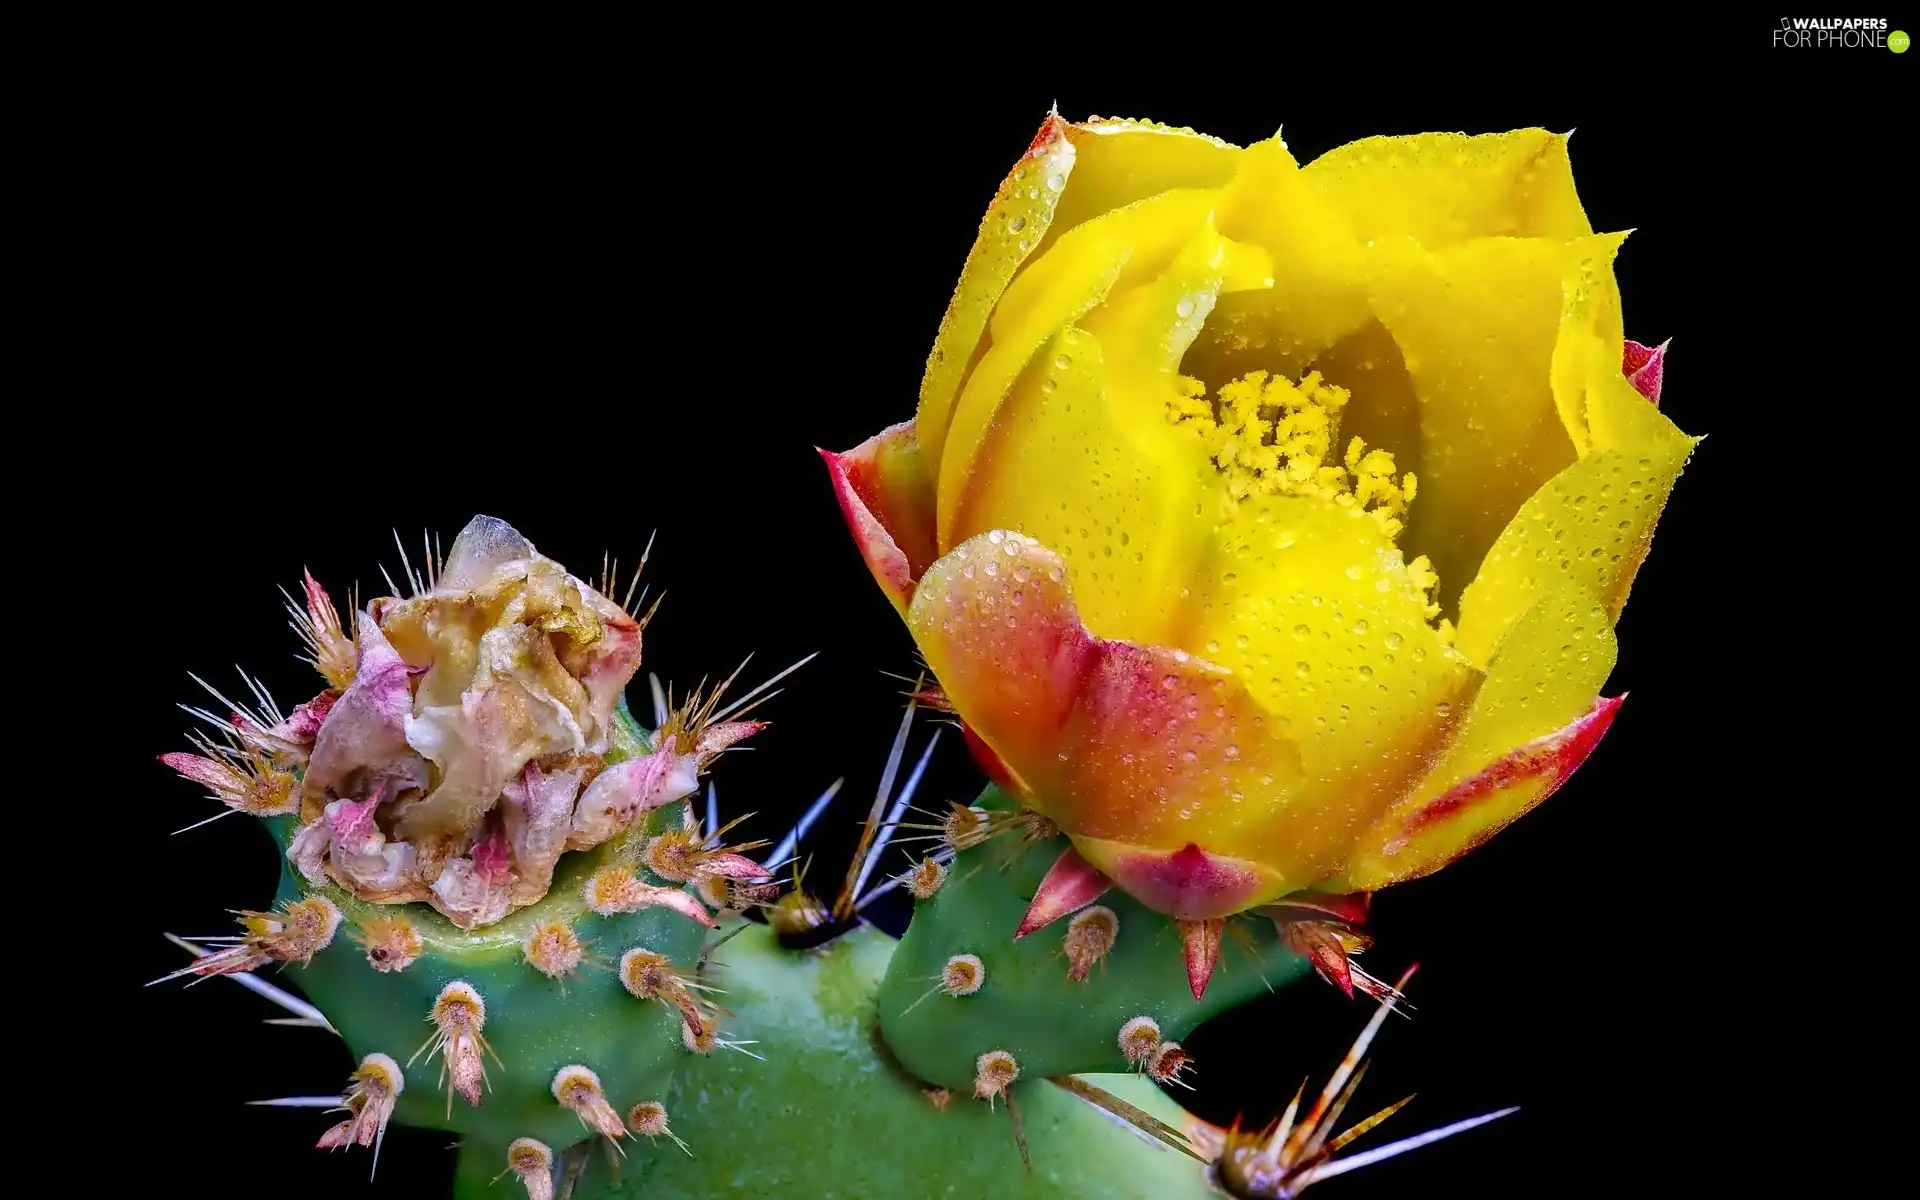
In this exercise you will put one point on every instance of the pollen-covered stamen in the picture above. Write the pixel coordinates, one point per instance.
(926, 879)
(1272, 436)
(242, 777)
(578, 1089)
(993, 1073)
(616, 890)
(532, 1163)
(649, 1119)
(330, 649)
(553, 949)
(392, 943)
(300, 930)
(651, 976)
(1168, 1061)
(371, 1093)
(458, 1015)
(1139, 1041)
(1089, 939)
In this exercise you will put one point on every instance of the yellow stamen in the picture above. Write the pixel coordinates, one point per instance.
(1271, 436)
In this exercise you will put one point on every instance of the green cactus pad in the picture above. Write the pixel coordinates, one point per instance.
(536, 1025)
(828, 1115)
(1027, 1006)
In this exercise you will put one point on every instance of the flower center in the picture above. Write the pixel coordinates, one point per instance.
(1272, 436)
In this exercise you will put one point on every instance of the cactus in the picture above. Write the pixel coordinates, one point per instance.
(496, 891)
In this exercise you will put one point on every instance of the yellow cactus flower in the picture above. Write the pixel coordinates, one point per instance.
(1265, 524)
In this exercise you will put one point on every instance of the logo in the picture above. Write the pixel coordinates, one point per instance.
(1839, 33)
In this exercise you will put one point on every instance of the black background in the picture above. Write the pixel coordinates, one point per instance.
(597, 304)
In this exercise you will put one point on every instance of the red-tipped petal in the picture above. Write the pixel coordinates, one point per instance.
(1202, 940)
(1188, 884)
(1643, 366)
(1436, 833)
(1070, 885)
(1100, 734)
(886, 496)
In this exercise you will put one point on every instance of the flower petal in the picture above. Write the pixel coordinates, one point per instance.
(367, 727)
(885, 489)
(1440, 831)
(1309, 605)
(1149, 747)
(1316, 294)
(1110, 254)
(1070, 885)
(1476, 324)
(1592, 523)
(1545, 673)
(1081, 454)
(1444, 188)
(1118, 162)
(1020, 213)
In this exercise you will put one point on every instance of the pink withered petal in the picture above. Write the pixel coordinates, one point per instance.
(479, 744)
(1643, 366)
(536, 808)
(491, 859)
(465, 896)
(303, 724)
(358, 854)
(606, 667)
(308, 851)
(1070, 885)
(352, 824)
(623, 791)
(366, 728)
(886, 495)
